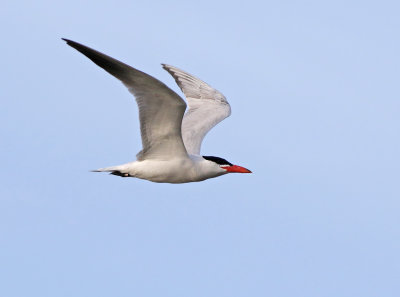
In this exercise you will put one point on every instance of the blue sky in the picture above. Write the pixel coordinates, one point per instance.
(314, 92)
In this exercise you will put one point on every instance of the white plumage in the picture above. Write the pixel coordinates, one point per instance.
(171, 139)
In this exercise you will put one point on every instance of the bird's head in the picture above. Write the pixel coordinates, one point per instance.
(227, 166)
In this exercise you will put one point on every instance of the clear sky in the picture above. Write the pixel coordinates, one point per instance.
(314, 90)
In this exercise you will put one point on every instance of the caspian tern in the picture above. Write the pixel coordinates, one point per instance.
(171, 138)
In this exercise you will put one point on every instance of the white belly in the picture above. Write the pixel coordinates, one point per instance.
(171, 171)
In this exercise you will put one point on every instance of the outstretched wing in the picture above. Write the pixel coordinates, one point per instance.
(160, 109)
(207, 107)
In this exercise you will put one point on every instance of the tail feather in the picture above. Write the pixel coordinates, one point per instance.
(107, 169)
(114, 170)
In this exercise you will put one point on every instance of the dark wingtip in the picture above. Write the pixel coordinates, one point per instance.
(71, 42)
(111, 65)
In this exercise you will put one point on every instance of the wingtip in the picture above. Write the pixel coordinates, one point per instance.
(71, 42)
(167, 67)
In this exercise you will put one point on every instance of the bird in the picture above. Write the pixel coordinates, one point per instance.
(171, 138)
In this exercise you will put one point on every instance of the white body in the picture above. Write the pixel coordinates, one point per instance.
(171, 138)
(173, 171)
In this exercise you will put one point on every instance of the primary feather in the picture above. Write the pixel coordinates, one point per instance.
(160, 109)
(207, 107)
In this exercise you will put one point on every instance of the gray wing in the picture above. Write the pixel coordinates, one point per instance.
(160, 109)
(207, 107)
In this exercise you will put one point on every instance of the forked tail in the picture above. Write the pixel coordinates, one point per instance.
(114, 170)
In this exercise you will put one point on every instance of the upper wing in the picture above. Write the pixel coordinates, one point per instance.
(207, 107)
(160, 109)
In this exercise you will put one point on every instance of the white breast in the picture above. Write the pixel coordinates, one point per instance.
(173, 170)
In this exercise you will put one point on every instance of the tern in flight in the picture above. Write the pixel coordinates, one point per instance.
(171, 138)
